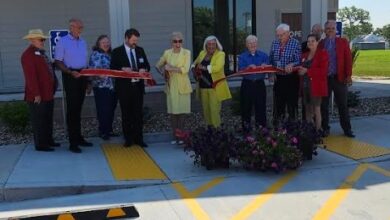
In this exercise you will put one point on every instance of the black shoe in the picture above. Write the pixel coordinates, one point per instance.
(349, 134)
(112, 134)
(54, 144)
(45, 149)
(128, 144)
(75, 149)
(85, 143)
(105, 137)
(143, 144)
(325, 133)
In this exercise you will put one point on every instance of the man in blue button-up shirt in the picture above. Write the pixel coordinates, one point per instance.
(253, 91)
(71, 56)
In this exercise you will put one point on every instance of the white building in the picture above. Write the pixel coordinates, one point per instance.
(229, 20)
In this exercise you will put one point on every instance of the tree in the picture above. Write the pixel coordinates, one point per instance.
(378, 31)
(386, 32)
(356, 21)
(203, 27)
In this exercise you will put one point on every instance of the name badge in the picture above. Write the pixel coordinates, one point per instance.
(141, 60)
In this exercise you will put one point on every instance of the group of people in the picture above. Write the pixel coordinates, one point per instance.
(325, 66)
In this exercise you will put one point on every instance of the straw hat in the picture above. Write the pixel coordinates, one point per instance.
(35, 33)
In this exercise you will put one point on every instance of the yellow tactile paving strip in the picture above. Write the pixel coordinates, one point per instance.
(352, 148)
(131, 163)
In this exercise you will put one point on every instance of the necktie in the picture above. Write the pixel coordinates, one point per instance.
(132, 60)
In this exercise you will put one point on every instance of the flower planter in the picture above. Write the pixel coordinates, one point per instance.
(306, 146)
(212, 163)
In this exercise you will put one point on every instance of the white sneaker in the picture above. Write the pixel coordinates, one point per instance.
(173, 142)
(180, 142)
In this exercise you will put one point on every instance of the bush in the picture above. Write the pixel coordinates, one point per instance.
(307, 136)
(269, 149)
(211, 146)
(15, 116)
(264, 149)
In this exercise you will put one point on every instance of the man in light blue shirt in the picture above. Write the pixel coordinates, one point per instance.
(71, 57)
(253, 91)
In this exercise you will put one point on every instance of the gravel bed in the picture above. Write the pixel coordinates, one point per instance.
(159, 122)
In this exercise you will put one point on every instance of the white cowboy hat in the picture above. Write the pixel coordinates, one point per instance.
(35, 33)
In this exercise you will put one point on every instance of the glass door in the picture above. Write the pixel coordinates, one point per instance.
(231, 21)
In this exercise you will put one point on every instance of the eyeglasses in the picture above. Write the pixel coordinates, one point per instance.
(177, 41)
(42, 40)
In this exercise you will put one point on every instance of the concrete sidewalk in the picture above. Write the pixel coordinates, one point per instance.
(371, 88)
(61, 181)
(221, 194)
(218, 194)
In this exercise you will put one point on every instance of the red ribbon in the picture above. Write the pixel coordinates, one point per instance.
(120, 74)
(256, 70)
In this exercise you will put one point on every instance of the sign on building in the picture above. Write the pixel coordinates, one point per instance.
(339, 29)
(55, 35)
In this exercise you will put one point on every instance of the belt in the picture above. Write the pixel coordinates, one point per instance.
(253, 80)
(73, 69)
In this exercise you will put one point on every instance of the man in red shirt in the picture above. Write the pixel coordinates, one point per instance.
(40, 86)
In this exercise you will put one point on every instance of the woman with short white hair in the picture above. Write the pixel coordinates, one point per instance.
(210, 67)
(175, 64)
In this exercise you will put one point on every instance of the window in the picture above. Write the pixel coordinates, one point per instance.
(231, 21)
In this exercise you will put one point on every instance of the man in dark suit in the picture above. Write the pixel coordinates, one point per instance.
(339, 77)
(130, 92)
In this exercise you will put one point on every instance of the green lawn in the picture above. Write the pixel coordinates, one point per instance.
(373, 63)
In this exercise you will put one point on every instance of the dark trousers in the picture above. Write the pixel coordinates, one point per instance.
(131, 100)
(340, 91)
(75, 93)
(105, 100)
(253, 94)
(42, 123)
(286, 90)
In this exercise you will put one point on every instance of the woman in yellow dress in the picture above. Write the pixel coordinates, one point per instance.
(175, 64)
(210, 65)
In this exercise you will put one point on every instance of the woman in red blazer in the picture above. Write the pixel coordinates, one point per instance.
(40, 85)
(314, 72)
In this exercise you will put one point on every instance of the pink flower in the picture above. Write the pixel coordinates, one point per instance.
(250, 139)
(274, 143)
(269, 139)
(294, 140)
(261, 152)
(274, 165)
(255, 152)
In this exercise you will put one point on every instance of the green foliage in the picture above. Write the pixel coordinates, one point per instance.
(353, 99)
(386, 32)
(203, 26)
(15, 116)
(372, 63)
(356, 21)
(210, 146)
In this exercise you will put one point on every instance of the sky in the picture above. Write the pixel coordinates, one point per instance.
(379, 10)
